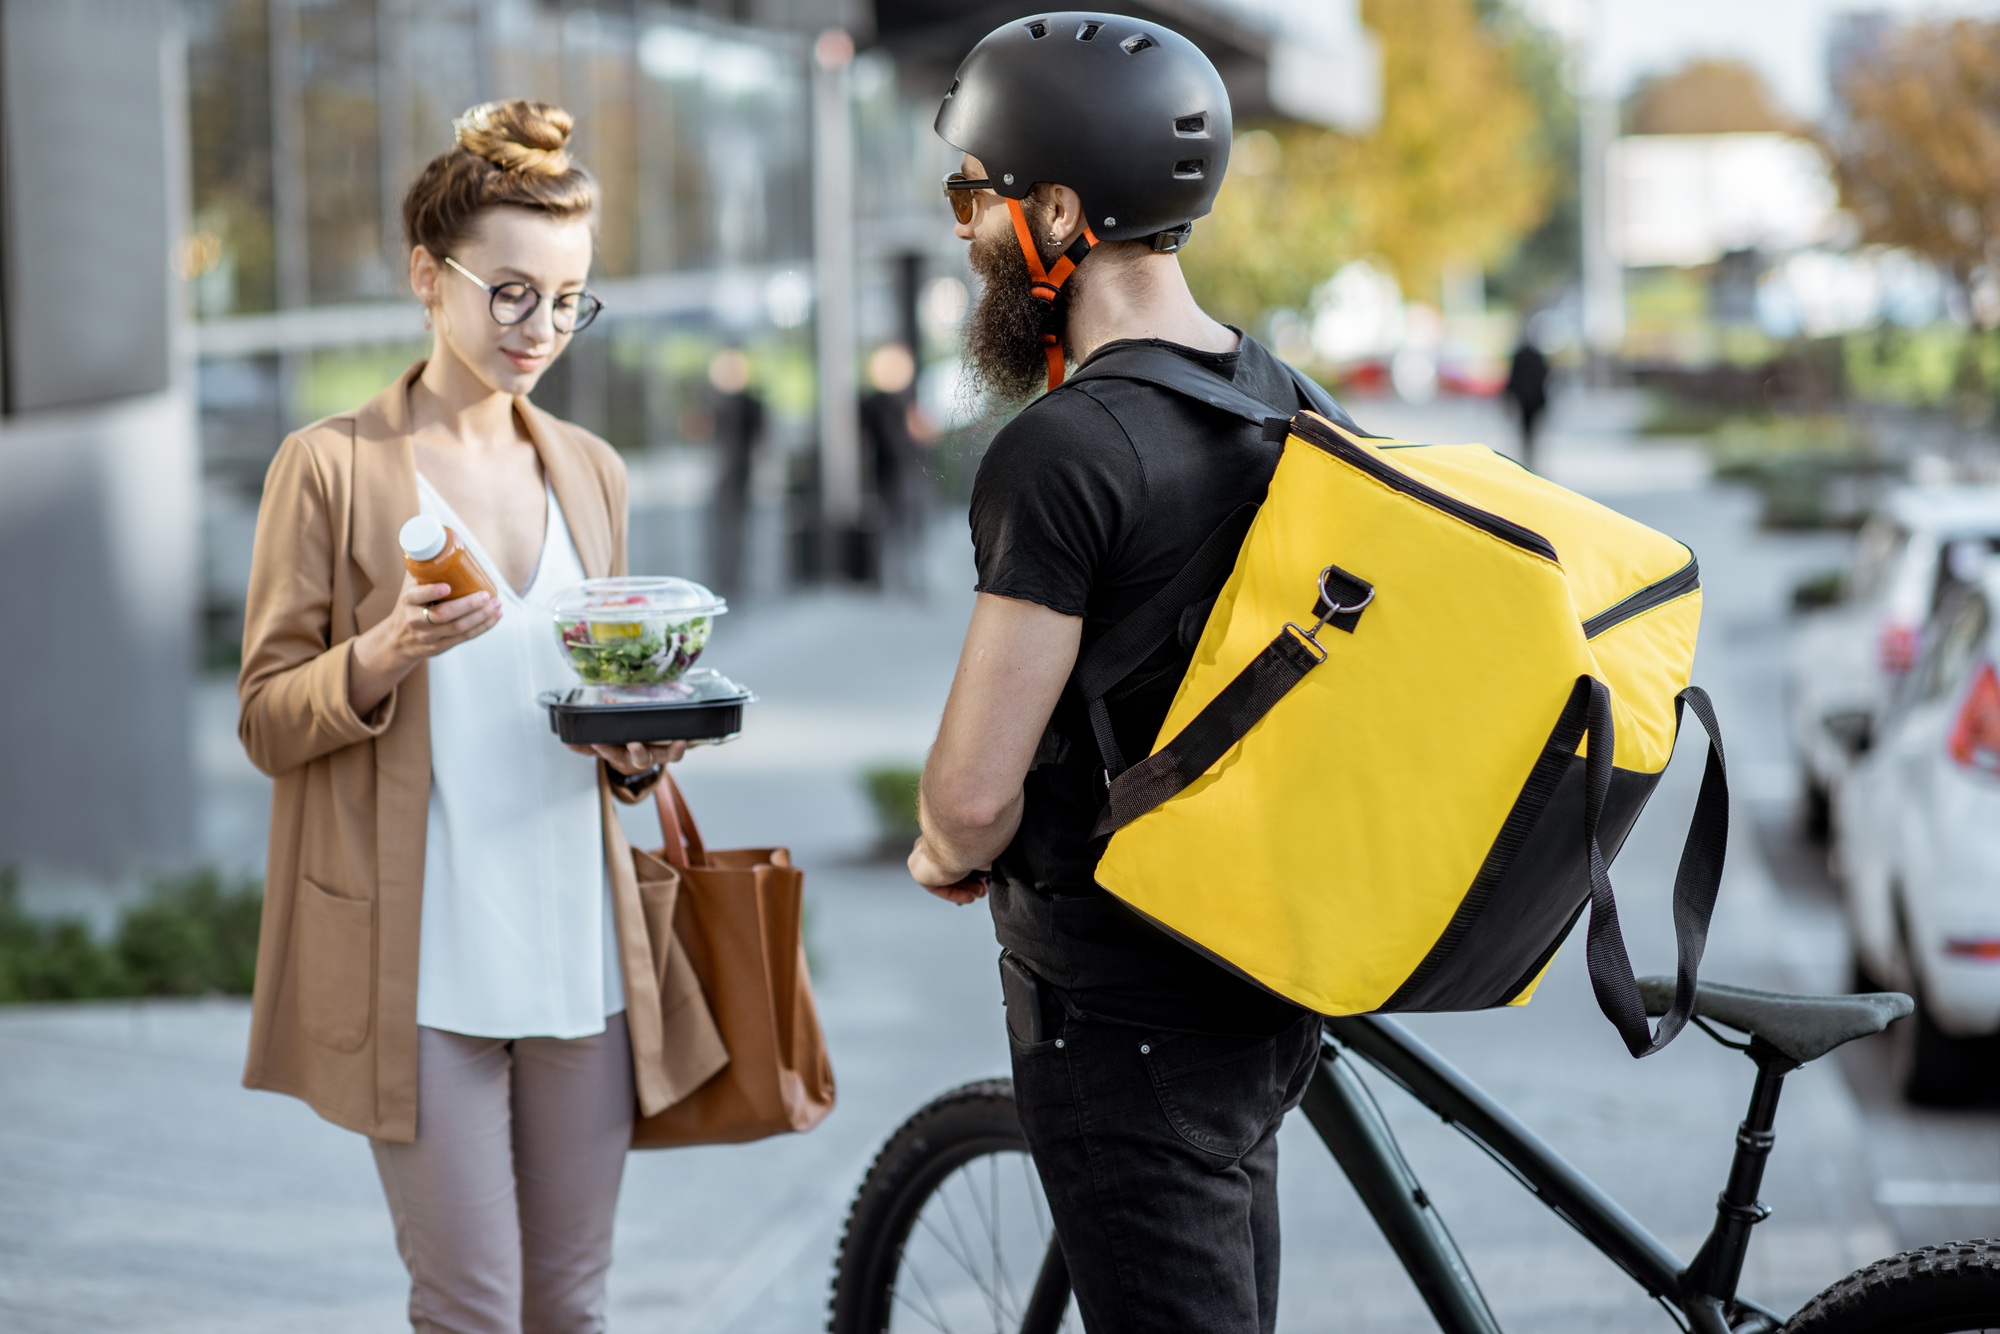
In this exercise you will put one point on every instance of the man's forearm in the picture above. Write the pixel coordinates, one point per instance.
(1016, 658)
(969, 844)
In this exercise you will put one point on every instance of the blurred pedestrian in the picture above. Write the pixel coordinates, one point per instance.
(1076, 188)
(738, 414)
(893, 435)
(453, 959)
(1528, 390)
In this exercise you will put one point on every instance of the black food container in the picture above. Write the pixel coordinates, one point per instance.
(701, 706)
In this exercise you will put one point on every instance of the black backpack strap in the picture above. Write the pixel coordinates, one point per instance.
(1293, 654)
(1130, 642)
(1118, 653)
(1169, 370)
(1695, 883)
(1228, 718)
(1314, 395)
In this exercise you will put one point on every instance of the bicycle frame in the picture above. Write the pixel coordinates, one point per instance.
(1347, 1118)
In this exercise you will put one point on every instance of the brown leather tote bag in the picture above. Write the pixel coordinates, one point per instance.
(738, 915)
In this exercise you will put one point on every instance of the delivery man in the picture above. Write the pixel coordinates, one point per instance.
(1150, 1079)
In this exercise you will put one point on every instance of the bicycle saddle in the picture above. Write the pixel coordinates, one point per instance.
(1802, 1028)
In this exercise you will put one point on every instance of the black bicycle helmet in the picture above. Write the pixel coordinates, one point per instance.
(1129, 114)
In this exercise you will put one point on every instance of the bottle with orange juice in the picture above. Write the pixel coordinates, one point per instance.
(437, 555)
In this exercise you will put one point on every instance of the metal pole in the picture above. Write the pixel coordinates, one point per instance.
(833, 267)
(392, 130)
(1603, 278)
(288, 185)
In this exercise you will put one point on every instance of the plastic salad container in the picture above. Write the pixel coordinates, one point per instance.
(701, 706)
(635, 631)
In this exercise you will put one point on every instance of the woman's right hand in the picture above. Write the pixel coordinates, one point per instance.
(420, 626)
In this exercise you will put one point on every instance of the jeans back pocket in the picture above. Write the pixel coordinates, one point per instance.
(1219, 1091)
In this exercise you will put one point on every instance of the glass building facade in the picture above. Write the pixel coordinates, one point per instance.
(309, 118)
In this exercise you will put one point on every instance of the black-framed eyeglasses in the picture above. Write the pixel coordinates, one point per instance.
(510, 303)
(958, 188)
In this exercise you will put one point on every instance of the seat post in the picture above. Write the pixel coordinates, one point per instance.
(1718, 1266)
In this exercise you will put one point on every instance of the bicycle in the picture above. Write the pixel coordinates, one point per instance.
(949, 1232)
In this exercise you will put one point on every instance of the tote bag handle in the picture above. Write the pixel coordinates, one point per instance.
(677, 827)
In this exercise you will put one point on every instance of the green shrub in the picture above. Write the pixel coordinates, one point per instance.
(1812, 469)
(191, 936)
(1669, 413)
(892, 791)
(50, 960)
(1825, 589)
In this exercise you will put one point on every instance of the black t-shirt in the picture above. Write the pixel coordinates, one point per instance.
(1087, 503)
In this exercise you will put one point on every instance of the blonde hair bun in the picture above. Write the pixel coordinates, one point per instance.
(518, 136)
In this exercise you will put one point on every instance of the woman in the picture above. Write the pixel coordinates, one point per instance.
(454, 961)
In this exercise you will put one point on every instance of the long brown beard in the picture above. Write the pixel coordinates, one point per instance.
(1003, 330)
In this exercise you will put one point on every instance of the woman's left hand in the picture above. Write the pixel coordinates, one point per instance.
(638, 756)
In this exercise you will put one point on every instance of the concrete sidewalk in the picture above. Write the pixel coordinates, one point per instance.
(142, 1189)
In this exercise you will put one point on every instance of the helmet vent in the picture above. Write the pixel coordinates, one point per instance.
(1190, 169)
(1191, 127)
(1134, 45)
(1089, 31)
(1038, 30)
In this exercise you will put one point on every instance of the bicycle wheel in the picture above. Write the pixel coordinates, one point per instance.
(950, 1230)
(1949, 1289)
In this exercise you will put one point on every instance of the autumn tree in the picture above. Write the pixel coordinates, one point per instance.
(1706, 96)
(1918, 158)
(1454, 173)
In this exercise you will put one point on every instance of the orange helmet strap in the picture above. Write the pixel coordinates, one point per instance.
(1046, 283)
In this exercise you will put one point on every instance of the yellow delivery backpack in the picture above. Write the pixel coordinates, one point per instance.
(1428, 704)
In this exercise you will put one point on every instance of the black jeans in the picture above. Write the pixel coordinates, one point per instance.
(1159, 1153)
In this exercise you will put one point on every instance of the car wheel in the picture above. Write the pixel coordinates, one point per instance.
(1818, 810)
(1939, 1070)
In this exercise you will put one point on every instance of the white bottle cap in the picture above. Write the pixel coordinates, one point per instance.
(422, 538)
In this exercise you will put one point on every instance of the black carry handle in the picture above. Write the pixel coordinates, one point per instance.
(1285, 662)
(1695, 883)
(1128, 644)
(1228, 718)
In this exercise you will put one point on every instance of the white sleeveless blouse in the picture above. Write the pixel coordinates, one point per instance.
(518, 939)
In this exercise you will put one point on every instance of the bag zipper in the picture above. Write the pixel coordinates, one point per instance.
(1489, 523)
(1678, 584)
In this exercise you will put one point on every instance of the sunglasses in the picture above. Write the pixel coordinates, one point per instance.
(959, 188)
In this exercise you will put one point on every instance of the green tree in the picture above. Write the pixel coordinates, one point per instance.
(1456, 172)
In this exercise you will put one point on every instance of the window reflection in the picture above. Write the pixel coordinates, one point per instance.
(309, 119)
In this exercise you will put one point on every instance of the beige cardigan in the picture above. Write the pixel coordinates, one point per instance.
(334, 1019)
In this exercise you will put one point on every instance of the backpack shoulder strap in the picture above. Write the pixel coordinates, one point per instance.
(1129, 643)
(1314, 394)
(1122, 648)
(1169, 370)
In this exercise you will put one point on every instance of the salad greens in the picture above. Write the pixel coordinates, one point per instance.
(632, 652)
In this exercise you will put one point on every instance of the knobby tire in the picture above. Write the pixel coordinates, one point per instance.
(1949, 1289)
(955, 1133)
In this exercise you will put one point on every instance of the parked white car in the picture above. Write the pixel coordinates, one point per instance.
(1847, 657)
(1917, 848)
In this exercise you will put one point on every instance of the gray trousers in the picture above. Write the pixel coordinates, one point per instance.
(503, 1203)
